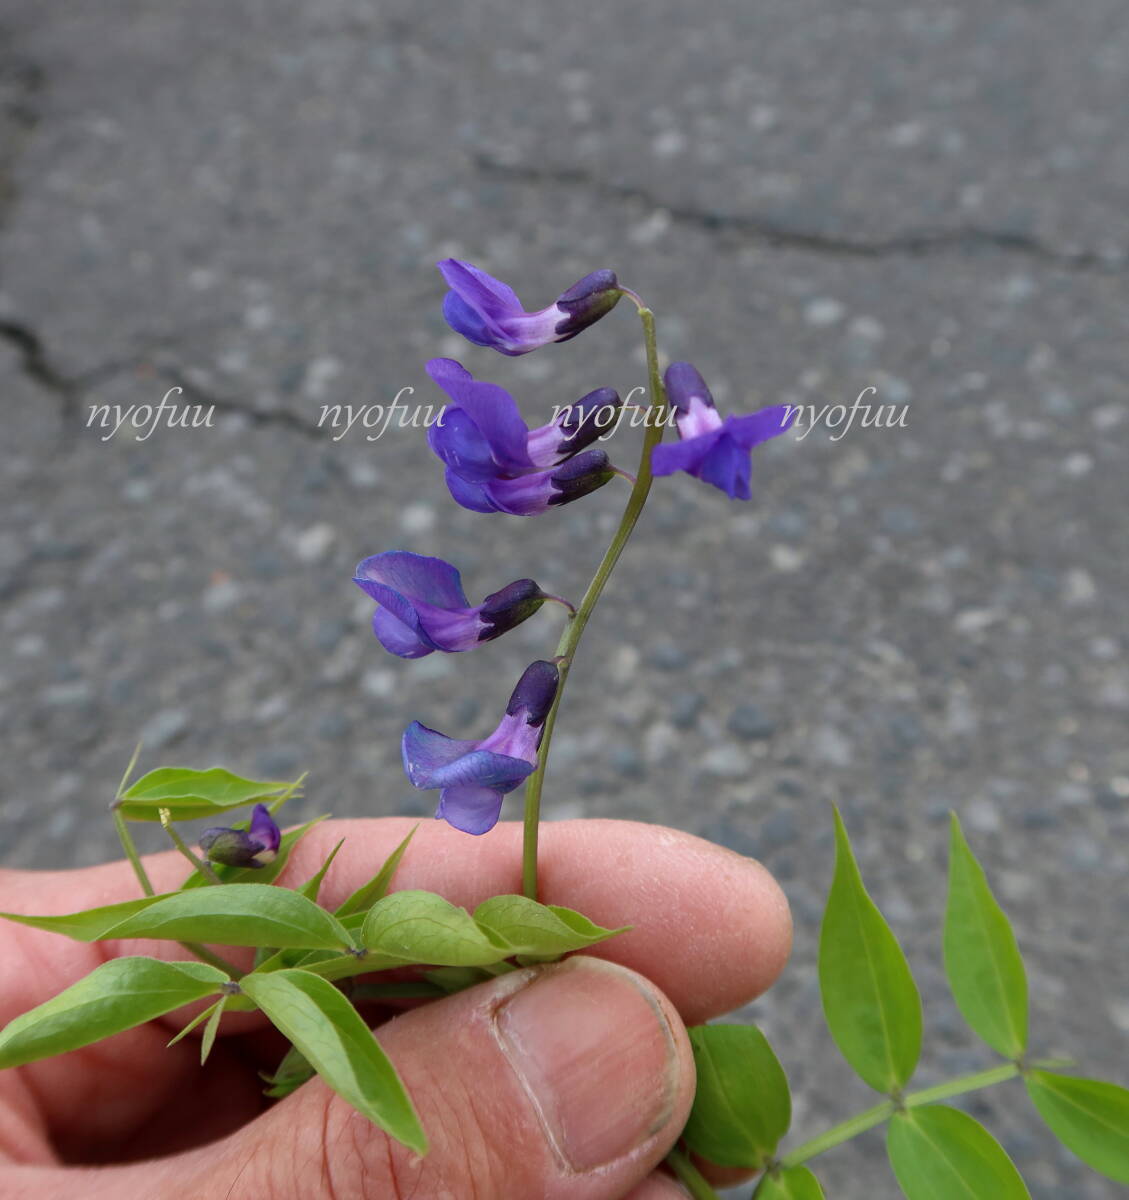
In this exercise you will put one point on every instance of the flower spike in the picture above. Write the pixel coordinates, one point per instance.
(488, 313)
(715, 450)
(422, 605)
(474, 776)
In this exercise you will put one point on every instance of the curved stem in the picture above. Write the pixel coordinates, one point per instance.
(574, 630)
(863, 1121)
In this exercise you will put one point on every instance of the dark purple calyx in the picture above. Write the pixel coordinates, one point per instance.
(587, 301)
(579, 476)
(535, 692)
(508, 607)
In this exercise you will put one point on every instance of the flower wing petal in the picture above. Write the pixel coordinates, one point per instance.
(471, 809)
(397, 638)
(426, 751)
(760, 426)
(686, 455)
(727, 466)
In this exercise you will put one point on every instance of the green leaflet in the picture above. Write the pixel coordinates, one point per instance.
(1088, 1116)
(421, 927)
(92, 923)
(538, 931)
(328, 1032)
(238, 914)
(742, 1106)
(244, 914)
(188, 794)
(208, 1039)
(982, 959)
(870, 999)
(120, 994)
(312, 886)
(793, 1183)
(377, 887)
(940, 1153)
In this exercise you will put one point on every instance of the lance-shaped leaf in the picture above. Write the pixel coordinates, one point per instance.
(329, 1033)
(377, 887)
(90, 924)
(742, 1107)
(870, 1000)
(793, 1183)
(208, 1038)
(1088, 1116)
(312, 886)
(237, 914)
(119, 995)
(538, 931)
(421, 927)
(266, 874)
(940, 1153)
(188, 794)
(982, 959)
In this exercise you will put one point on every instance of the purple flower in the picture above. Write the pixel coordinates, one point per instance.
(488, 313)
(535, 492)
(713, 449)
(422, 606)
(482, 436)
(474, 776)
(255, 846)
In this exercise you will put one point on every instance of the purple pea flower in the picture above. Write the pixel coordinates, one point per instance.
(474, 776)
(713, 449)
(255, 846)
(488, 313)
(535, 492)
(482, 436)
(422, 605)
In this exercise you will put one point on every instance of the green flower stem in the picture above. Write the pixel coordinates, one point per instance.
(850, 1128)
(574, 630)
(130, 848)
(198, 864)
(689, 1176)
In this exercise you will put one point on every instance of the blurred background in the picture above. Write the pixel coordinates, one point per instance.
(816, 198)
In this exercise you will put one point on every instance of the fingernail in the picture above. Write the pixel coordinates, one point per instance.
(594, 1050)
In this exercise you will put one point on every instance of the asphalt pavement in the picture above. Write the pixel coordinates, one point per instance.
(246, 202)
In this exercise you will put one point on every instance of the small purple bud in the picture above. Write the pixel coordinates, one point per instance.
(255, 846)
(535, 692)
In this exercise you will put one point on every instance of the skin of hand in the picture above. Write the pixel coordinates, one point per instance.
(571, 1080)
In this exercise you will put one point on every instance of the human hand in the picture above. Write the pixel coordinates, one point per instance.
(572, 1080)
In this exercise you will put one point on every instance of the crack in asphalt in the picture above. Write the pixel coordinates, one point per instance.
(36, 363)
(767, 231)
(281, 417)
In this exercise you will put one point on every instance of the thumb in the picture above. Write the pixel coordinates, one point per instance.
(565, 1081)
